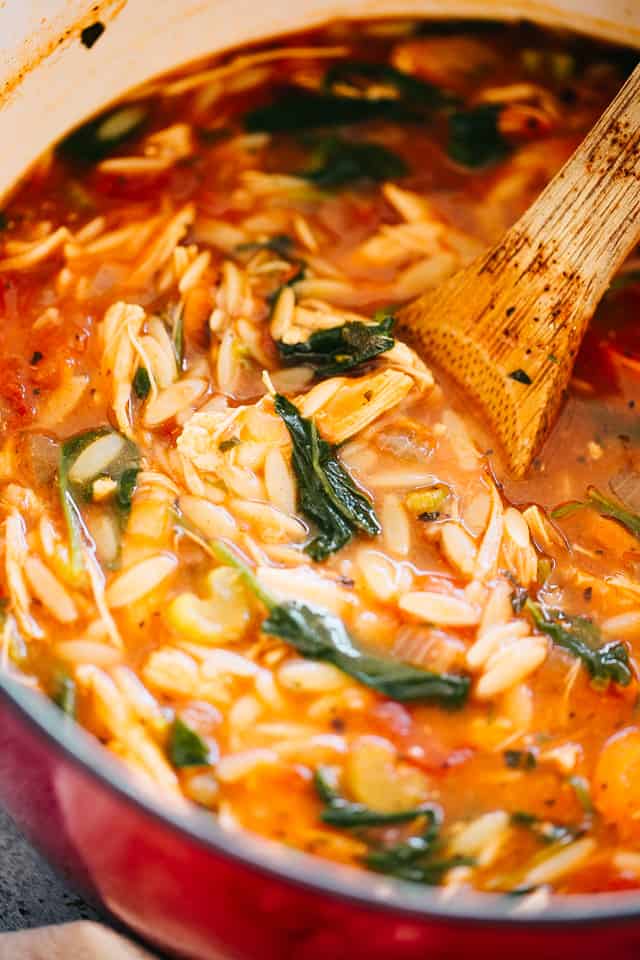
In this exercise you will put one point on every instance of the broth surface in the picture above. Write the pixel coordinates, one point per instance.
(249, 540)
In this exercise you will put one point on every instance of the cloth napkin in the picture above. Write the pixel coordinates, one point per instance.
(70, 941)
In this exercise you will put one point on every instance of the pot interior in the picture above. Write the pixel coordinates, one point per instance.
(50, 80)
(52, 98)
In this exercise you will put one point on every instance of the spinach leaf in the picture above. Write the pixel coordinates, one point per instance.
(186, 747)
(336, 162)
(340, 349)
(405, 862)
(410, 100)
(320, 635)
(603, 505)
(174, 321)
(582, 638)
(98, 138)
(339, 812)
(280, 243)
(359, 75)
(327, 494)
(546, 830)
(296, 109)
(85, 458)
(415, 859)
(474, 137)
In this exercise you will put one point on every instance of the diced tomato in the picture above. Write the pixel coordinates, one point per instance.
(417, 742)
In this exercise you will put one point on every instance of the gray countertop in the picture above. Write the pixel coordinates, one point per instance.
(31, 895)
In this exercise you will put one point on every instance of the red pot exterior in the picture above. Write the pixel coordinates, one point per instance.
(195, 901)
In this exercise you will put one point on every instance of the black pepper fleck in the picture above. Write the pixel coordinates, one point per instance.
(521, 376)
(92, 34)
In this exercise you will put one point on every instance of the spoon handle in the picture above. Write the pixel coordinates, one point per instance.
(589, 215)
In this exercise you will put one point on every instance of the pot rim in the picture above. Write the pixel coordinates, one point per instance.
(361, 887)
(351, 884)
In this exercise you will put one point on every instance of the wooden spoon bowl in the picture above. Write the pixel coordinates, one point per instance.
(508, 327)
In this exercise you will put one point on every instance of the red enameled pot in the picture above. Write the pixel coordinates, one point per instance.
(176, 878)
(188, 887)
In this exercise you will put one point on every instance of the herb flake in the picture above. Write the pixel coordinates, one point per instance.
(520, 376)
(186, 747)
(64, 694)
(142, 383)
(225, 445)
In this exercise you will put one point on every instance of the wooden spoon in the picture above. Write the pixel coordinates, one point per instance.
(508, 327)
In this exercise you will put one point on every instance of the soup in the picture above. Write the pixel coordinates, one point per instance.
(251, 542)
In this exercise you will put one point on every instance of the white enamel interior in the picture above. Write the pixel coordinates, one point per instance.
(50, 86)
